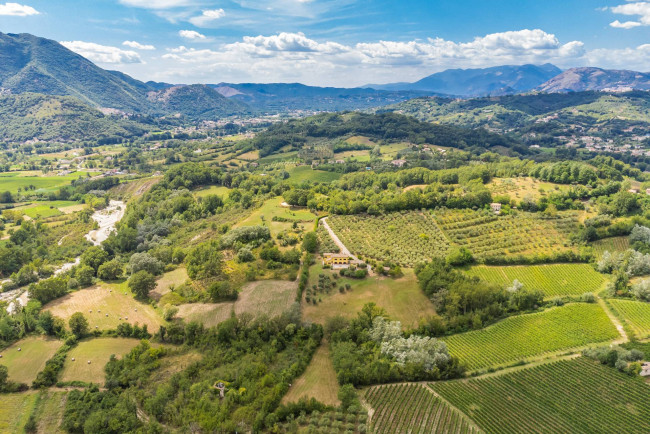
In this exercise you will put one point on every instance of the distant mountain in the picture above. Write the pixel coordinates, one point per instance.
(32, 64)
(583, 79)
(284, 97)
(196, 101)
(498, 80)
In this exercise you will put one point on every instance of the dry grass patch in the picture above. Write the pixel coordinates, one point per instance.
(318, 381)
(98, 352)
(15, 409)
(172, 278)
(49, 412)
(103, 308)
(25, 364)
(265, 297)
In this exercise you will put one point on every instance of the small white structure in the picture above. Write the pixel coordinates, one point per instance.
(645, 369)
(496, 207)
(398, 163)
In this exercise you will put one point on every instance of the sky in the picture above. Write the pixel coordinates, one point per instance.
(343, 43)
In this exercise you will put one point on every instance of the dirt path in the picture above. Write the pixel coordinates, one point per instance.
(621, 330)
(337, 241)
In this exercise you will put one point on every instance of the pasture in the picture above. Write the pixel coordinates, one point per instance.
(219, 190)
(567, 396)
(49, 409)
(299, 174)
(273, 208)
(167, 281)
(15, 409)
(103, 305)
(553, 279)
(264, 297)
(49, 208)
(402, 298)
(530, 336)
(98, 351)
(14, 181)
(407, 237)
(25, 364)
(413, 408)
(488, 235)
(636, 315)
(318, 381)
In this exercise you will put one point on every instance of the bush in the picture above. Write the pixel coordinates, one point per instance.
(588, 297)
(111, 270)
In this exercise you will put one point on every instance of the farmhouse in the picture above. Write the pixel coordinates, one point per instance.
(337, 260)
(633, 190)
(496, 207)
(398, 163)
(645, 369)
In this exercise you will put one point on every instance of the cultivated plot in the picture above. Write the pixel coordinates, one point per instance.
(26, 358)
(90, 357)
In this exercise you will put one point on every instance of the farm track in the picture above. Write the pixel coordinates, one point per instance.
(337, 241)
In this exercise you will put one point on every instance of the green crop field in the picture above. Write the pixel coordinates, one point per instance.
(98, 352)
(273, 208)
(215, 189)
(613, 244)
(531, 335)
(318, 381)
(15, 409)
(299, 174)
(553, 280)
(487, 235)
(403, 237)
(46, 209)
(412, 408)
(25, 364)
(567, 396)
(635, 313)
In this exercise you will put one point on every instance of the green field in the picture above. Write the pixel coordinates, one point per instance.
(25, 364)
(15, 409)
(318, 381)
(613, 244)
(12, 181)
(553, 280)
(412, 408)
(98, 351)
(532, 335)
(488, 235)
(402, 298)
(50, 406)
(403, 237)
(215, 189)
(108, 302)
(299, 174)
(46, 209)
(568, 396)
(635, 313)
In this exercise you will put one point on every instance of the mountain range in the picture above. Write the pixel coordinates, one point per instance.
(30, 64)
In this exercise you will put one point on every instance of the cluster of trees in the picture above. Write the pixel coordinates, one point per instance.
(370, 351)
(465, 302)
(616, 357)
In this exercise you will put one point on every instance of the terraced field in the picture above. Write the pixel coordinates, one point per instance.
(635, 313)
(412, 408)
(532, 335)
(567, 396)
(613, 244)
(488, 235)
(404, 237)
(553, 279)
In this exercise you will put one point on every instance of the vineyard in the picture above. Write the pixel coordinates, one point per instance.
(325, 242)
(526, 336)
(403, 237)
(613, 244)
(488, 235)
(553, 280)
(412, 408)
(636, 315)
(567, 396)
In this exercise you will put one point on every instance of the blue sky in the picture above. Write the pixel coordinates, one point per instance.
(335, 42)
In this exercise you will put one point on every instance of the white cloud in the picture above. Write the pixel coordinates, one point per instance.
(102, 53)
(296, 57)
(157, 4)
(639, 9)
(191, 34)
(207, 17)
(635, 58)
(17, 10)
(138, 46)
